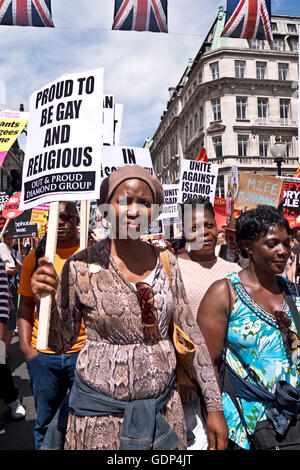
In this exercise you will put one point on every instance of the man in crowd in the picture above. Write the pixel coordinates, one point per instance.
(7, 389)
(51, 375)
(230, 251)
(12, 269)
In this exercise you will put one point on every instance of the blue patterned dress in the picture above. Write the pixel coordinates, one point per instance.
(256, 346)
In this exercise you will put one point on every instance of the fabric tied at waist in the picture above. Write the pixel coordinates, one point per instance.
(286, 399)
(143, 427)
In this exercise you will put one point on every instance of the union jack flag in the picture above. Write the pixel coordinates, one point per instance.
(141, 15)
(248, 19)
(26, 13)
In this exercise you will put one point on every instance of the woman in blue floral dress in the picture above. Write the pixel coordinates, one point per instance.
(260, 347)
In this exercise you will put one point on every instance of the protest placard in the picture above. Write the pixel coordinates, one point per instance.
(155, 228)
(197, 179)
(11, 208)
(64, 141)
(12, 124)
(290, 203)
(118, 123)
(257, 189)
(23, 227)
(3, 198)
(108, 119)
(170, 202)
(115, 157)
(39, 214)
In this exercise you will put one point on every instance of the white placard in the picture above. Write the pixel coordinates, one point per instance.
(118, 122)
(108, 119)
(197, 179)
(64, 142)
(115, 157)
(170, 204)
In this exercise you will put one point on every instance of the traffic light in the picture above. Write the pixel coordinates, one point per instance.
(15, 182)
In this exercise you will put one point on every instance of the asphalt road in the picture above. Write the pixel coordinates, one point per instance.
(18, 435)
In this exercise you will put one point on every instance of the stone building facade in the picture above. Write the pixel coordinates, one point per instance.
(13, 161)
(233, 98)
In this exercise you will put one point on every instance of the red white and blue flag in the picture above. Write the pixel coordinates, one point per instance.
(248, 19)
(141, 15)
(26, 13)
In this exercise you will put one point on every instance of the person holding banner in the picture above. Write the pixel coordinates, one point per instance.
(8, 390)
(248, 321)
(12, 269)
(230, 251)
(124, 394)
(51, 375)
(200, 267)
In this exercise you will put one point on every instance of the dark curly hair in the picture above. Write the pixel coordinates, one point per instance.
(257, 221)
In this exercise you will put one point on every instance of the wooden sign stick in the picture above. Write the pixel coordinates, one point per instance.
(84, 223)
(46, 299)
(4, 228)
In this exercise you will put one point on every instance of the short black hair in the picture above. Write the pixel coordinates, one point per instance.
(254, 222)
(193, 203)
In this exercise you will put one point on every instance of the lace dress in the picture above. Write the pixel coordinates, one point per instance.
(257, 352)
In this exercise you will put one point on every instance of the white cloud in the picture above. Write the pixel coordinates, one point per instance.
(138, 67)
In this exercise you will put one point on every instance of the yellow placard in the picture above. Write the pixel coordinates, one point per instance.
(39, 217)
(11, 125)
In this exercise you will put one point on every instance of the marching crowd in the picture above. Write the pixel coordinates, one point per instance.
(110, 377)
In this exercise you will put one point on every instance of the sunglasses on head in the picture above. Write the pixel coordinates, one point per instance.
(145, 297)
(284, 323)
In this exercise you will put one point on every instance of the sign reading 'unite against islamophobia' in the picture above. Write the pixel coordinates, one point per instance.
(64, 142)
(197, 179)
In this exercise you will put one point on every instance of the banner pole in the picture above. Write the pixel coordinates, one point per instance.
(4, 228)
(46, 299)
(84, 223)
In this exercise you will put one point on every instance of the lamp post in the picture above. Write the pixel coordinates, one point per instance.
(278, 152)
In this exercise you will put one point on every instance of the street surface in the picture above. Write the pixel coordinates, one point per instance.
(18, 435)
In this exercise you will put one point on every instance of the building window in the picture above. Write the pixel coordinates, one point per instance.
(241, 108)
(190, 129)
(274, 26)
(288, 142)
(217, 143)
(262, 108)
(196, 123)
(278, 45)
(283, 71)
(261, 70)
(240, 68)
(292, 28)
(285, 109)
(257, 44)
(243, 145)
(264, 145)
(201, 123)
(294, 45)
(216, 109)
(165, 158)
(214, 68)
(186, 132)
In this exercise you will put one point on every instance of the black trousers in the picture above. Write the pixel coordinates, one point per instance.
(8, 391)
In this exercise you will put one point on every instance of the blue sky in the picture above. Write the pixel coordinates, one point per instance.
(138, 67)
